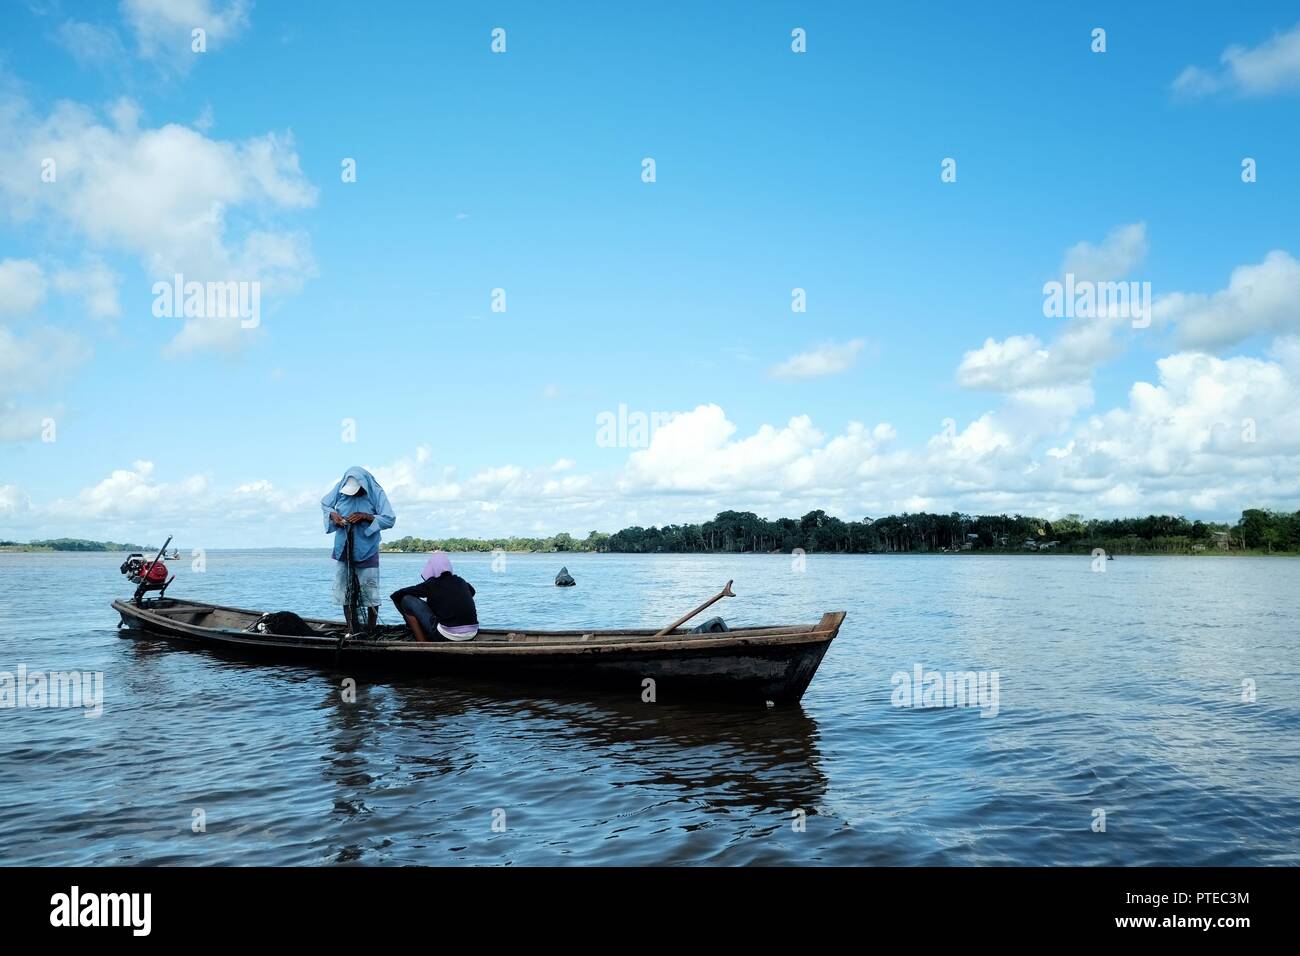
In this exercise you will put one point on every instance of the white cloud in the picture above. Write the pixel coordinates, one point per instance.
(1016, 361)
(1261, 298)
(33, 360)
(1209, 435)
(1179, 438)
(1224, 430)
(165, 195)
(29, 365)
(1021, 362)
(135, 494)
(13, 503)
(162, 193)
(829, 359)
(33, 355)
(163, 28)
(1271, 67)
(22, 286)
(696, 451)
(22, 423)
(91, 44)
(1123, 249)
(95, 284)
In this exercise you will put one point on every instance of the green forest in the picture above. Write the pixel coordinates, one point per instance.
(68, 544)
(1258, 531)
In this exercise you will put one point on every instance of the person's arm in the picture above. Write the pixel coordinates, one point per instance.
(383, 517)
(327, 508)
(420, 590)
(399, 594)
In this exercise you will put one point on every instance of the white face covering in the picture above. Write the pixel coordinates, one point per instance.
(351, 486)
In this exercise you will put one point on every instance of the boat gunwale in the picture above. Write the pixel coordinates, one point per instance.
(823, 631)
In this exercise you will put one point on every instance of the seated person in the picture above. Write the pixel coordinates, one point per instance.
(442, 605)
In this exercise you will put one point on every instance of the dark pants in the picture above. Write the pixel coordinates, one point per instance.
(419, 609)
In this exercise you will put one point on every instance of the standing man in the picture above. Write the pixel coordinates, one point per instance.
(357, 502)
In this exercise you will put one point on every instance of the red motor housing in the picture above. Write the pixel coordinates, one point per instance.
(146, 574)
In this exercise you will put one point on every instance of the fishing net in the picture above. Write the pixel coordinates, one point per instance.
(283, 623)
(353, 594)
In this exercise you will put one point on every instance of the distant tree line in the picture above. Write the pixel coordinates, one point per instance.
(734, 532)
(557, 542)
(69, 544)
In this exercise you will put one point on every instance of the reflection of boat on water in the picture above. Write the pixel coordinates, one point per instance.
(406, 770)
(753, 664)
(732, 755)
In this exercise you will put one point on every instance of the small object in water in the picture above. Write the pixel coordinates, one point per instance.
(714, 625)
(564, 579)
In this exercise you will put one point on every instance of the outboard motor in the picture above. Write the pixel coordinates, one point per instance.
(147, 575)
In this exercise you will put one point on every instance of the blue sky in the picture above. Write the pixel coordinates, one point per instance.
(522, 171)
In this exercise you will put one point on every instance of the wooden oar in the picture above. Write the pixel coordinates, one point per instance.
(725, 592)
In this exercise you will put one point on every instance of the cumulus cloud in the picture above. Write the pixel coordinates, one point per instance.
(34, 355)
(1215, 433)
(22, 286)
(1116, 256)
(695, 451)
(1259, 298)
(166, 195)
(133, 496)
(1271, 67)
(95, 284)
(13, 503)
(1021, 362)
(29, 365)
(1024, 362)
(1208, 436)
(91, 44)
(829, 359)
(163, 28)
(37, 358)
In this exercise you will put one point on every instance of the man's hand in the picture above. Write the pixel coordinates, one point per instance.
(360, 518)
(338, 519)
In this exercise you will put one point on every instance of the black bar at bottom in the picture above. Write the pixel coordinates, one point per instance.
(335, 904)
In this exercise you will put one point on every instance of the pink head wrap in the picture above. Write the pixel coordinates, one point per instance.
(437, 564)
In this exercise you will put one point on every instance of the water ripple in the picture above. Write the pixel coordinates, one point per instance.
(1125, 693)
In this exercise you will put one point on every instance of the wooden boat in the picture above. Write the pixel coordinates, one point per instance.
(754, 664)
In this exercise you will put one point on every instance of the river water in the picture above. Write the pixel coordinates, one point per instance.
(1160, 698)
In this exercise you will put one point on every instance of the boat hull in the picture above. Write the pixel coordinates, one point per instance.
(753, 665)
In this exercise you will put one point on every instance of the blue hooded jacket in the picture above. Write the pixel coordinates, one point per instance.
(371, 500)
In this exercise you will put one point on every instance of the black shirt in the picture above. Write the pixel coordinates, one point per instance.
(449, 596)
